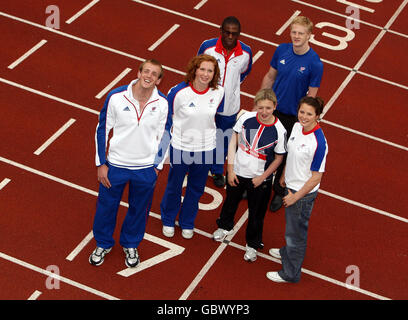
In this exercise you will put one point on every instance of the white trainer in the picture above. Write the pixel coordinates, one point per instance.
(250, 254)
(187, 233)
(274, 252)
(220, 234)
(274, 276)
(168, 231)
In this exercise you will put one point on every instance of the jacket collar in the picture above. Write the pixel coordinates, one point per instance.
(220, 48)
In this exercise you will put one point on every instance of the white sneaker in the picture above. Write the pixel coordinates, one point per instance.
(187, 233)
(250, 254)
(274, 276)
(98, 255)
(274, 252)
(132, 257)
(168, 231)
(220, 234)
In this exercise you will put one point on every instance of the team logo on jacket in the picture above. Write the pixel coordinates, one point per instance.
(301, 69)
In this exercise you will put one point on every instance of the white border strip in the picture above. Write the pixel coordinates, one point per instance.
(257, 56)
(163, 37)
(287, 23)
(213, 258)
(216, 254)
(200, 4)
(27, 54)
(82, 11)
(54, 137)
(114, 82)
(35, 295)
(4, 183)
(363, 59)
(56, 276)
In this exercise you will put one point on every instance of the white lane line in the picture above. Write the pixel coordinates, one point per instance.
(80, 246)
(392, 144)
(49, 96)
(287, 23)
(169, 68)
(91, 43)
(4, 183)
(319, 276)
(94, 193)
(348, 17)
(352, 4)
(257, 56)
(54, 137)
(56, 276)
(216, 254)
(364, 206)
(200, 4)
(82, 11)
(213, 258)
(75, 105)
(362, 59)
(35, 295)
(114, 82)
(27, 54)
(174, 250)
(164, 37)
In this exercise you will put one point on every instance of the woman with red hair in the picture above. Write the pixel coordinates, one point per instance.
(194, 103)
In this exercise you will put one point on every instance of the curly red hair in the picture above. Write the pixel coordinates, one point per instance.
(195, 63)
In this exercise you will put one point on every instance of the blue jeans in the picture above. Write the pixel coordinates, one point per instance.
(297, 223)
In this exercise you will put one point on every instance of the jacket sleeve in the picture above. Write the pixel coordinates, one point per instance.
(166, 122)
(105, 124)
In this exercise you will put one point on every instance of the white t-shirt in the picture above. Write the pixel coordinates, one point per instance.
(194, 112)
(307, 152)
(257, 145)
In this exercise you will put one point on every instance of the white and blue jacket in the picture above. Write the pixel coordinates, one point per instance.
(234, 68)
(137, 135)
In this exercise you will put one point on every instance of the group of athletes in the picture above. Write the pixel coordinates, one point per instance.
(276, 148)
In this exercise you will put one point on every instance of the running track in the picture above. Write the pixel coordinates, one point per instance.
(53, 83)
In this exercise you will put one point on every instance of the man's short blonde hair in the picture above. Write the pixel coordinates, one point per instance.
(303, 21)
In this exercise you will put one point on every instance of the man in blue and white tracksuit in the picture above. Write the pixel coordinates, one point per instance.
(138, 115)
(235, 62)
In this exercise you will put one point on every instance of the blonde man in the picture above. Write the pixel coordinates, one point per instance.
(295, 71)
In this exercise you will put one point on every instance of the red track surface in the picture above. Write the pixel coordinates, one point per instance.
(47, 207)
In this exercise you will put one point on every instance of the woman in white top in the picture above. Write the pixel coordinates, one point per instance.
(305, 165)
(194, 103)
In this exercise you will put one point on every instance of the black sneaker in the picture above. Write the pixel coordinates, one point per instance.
(219, 180)
(132, 257)
(276, 203)
(97, 257)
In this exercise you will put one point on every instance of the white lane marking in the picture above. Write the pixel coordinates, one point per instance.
(54, 137)
(27, 54)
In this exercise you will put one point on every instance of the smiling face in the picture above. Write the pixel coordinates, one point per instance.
(307, 116)
(203, 75)
(300, 36)
(265, 109)
(149, 76)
